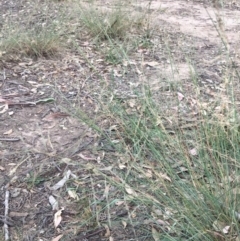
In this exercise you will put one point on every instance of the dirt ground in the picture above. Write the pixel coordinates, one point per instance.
(41, 137)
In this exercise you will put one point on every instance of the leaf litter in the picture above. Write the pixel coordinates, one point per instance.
(28, 91)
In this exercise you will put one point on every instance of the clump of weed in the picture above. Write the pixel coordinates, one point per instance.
(105, 24)
(32, 43)
(40, 34)
(187, 174)
(117, 23)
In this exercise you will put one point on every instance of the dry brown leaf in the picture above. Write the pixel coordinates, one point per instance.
(168, 213)
(148, 173)
(108, 233)
(131, 103)
(57, 238)
(133, 215)
(124, 223)
(8, 132)
(193, 152)
(226, 229)
(162, 222)
(15, 192)
(89, 100)
(53, 202)
(217, 235)
(106, 191)
(221, 227)
(58, 217)
(163, 175)
(62, 181)
(155, 234)
(98, 159)
(157, 212)
(73, 194)
(34, 90)
(180, 96)
(121, 166)
(66, 160)
(130, 191)
(106, 168)
(87, 158)
(4, 108)
(119, 202)
(152, 63)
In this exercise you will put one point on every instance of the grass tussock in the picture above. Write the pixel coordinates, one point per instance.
(37, 34)
(116, 31)
(106, 24)
(190, 176)
(32, 44)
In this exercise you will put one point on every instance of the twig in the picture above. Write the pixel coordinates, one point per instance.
(4, 79)
(5, 138)
(9, 221)
(88, 235)
(6, 213)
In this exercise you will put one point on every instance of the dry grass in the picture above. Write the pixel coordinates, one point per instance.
(109, 24)
(173, 182)
(31, 44)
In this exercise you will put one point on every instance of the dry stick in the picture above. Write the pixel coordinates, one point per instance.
(4, 79)
(108, 207)
(95, 206)
(6, 213)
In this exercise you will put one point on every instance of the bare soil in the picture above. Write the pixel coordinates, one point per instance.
(42, 135)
